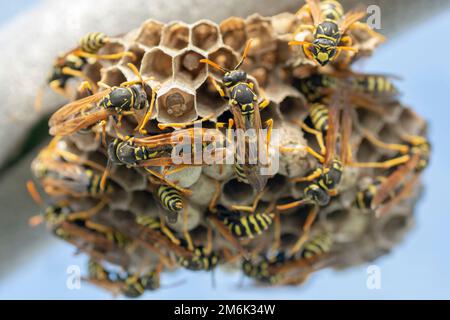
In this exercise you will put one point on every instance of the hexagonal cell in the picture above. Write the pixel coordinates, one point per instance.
(205, 35)
(111, 48)
(189, 69)
(176, 103)
(235, 192)
(411, 123)
(144, 203)
(193, 219)
(150, 33)
(224, 57)
(175, 36)
(275, 187)
(157, 63)
(293, 108)
(272, 111)
(128, 179)
(85, 140)
(209, 100)
(366, 152)
(369, 120)
(113, 77)
(260, 30)
(284, 23)
(261, 75)
(138, 52)
(233, 32)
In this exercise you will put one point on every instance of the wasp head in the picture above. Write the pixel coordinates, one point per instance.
(323, 50)
(233, 77)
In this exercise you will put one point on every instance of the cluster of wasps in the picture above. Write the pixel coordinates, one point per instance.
(80, 189)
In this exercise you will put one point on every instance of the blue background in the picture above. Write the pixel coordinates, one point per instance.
(419, 268)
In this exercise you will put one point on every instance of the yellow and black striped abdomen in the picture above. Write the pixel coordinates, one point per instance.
(148, 222)
(94, 188)
(375, 85)
(318, 245)
(93, 42)
(319, 117)
(331, 10)
(170, 198)
(250, 225)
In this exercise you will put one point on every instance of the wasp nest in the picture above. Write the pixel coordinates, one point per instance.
(107, 222)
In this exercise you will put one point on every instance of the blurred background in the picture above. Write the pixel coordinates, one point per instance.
(33, 265)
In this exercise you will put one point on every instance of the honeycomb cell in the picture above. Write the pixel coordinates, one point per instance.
(233, 32)
(86, 140)
(186, 177)
(410, 122)
(283, 23)
(176, 103)
(111, 48)
(113, 77)
(188, 220)
(157, 63)
(129, 180)
(260, 30)
(236, 192)
(189, 69)
(139, 54)
(275, 187)
(144, 203)
(293, 108)
(175, 36)
(209, 101)
(205, 35)
(224, 57)
(150, 33)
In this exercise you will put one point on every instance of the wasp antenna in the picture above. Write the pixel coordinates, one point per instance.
(244, 55)
(136, 72)
(213, 64)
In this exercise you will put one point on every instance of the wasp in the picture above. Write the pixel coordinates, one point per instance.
(130, 285)
(157, 150)
(125, 99)
(413, 157)
(277, 270)
(245, 226)
(243, 103)
(329, 29)
(71, 64)
(203, 259)
(363, 87)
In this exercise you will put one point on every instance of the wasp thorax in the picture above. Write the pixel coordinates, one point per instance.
(317, 194)
(120, 153)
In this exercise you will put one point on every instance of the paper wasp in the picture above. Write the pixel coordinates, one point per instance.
(243, 103)
(130, 285)
(322, 183)
(329, 30)
(244, 226)
(412, 159)
(365, 89)
(71, 63)
(279, 268)
(126, 99)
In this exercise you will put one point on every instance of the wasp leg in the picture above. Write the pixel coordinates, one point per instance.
(269, 124)
(292, 205)
(306, 228)
(169, 183)
(305, 45)
(219, 88)
(86, 86)
(84, 215)
(148, 115)
(253, 207)
(114, 56)
(317, 134)
(209, 241)
(168, 232)
(313, 176)
(383, 145)
(277, 233)
(308, 149)
(81, 75)
(54, 85)
(225, 233)
(213, 202)
(163, 126)
(186, 234)
(382, 165)
(32, 190)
